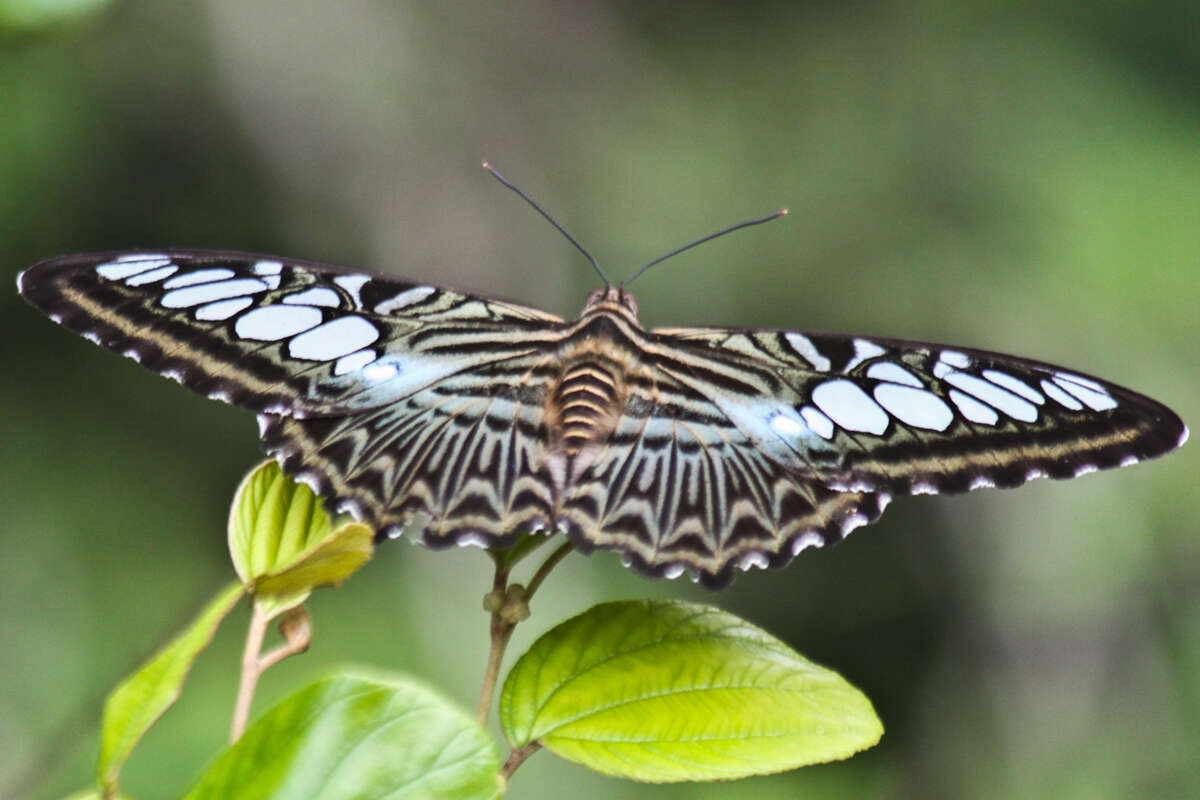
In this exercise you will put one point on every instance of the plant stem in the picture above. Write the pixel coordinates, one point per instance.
(501, 630)
(250, 671)
(289, 648)
(521, 549)
(517, 757)
(550, 563)
(501, 633)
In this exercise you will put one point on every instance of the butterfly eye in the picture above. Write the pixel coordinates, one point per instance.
(629, 301)
(595, 297)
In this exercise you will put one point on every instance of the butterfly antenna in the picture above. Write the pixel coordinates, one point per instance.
(759, 221)
(549, 219)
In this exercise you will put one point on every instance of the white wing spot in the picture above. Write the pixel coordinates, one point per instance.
(863, 350)
(785, 425)
(92, 337)
(1096, 400)
(922, 487)
(912, 406)
(153, 275)
(980, 482)
(406, 298)
(472, 540)
(334, 339)
(1082, 381)
(1128, 461)
(804, 346)
(853, 521)
(272, 280)
(972, 409)
(752, 560)
(353, 285)
(1059, 396)
(1086, 469)
(268, 267)
(272, 323)
(354, 361)
(807, 540)
(1014, 385)
(198, 276)
(850, 407)
(222, 309)
(352, 508)
(316, 296)
(134, 354)
(889, 371)
(144, 257)
(1035, 473)
(125, 267)
(994, 396)
(858, 487)
(211, 292)
(817, 422)
(673, 571)
(309, 479)
(955, 358)
(378, 373)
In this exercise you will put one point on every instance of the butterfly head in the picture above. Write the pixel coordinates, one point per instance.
(610, 299)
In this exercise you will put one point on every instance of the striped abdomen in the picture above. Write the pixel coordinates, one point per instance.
(585, 405)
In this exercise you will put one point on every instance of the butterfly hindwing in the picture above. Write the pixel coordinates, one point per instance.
(678, 486)
(463, 457)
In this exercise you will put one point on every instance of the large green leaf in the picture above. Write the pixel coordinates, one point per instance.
(138, 702)
(353, 736)
(666, 691)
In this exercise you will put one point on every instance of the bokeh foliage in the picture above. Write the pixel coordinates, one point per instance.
(1016, 176)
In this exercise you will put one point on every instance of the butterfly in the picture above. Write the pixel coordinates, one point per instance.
(685, 449)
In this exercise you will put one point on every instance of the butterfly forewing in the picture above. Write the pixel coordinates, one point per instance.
(912, 417)
(684, 449)
(279, 335)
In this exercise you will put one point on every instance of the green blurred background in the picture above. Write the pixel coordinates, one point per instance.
(1015, 176)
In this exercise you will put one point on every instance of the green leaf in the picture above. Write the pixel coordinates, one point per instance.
(354, 736)
(272, 521)
(326, 563)
(142, 698)
(281, 542)
(665, 691)
(35, 15)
